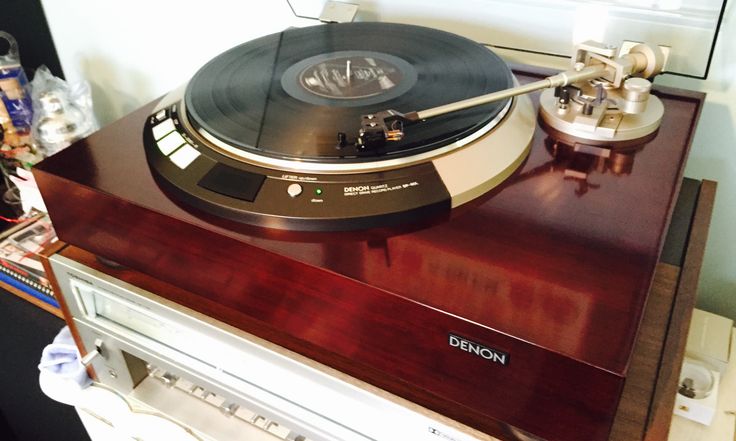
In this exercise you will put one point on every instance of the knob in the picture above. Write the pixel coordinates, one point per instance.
(637, 89)
(229, 409)
(636, 93)
(87, 359)
(169, 379)
(294, 190)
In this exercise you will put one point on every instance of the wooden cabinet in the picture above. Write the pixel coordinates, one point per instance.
(559, 270)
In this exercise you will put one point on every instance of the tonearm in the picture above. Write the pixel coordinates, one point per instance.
(590, 100)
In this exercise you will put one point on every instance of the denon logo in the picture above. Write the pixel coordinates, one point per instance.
(478, 349)
(359, 188)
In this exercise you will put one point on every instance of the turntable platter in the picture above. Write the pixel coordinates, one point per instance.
(253, 137)
(287, 95)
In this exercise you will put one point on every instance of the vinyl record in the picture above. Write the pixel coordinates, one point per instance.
(287, 95)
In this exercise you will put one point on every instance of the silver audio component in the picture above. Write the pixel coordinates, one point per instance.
(165, 356)
(615, 106)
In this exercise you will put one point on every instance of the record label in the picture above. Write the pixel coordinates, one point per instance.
(349, 78)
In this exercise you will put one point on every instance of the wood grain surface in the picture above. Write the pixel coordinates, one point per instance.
(554, 269)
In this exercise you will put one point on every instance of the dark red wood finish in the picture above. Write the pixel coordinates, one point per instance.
(552, 269)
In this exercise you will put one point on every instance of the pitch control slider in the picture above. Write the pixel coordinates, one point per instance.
(592, 61)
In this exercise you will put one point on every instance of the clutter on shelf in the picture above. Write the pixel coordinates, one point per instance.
(37, 119)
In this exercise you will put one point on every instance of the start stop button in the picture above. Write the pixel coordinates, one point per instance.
(294, 190)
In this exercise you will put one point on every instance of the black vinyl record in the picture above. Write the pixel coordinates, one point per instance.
(287, 95)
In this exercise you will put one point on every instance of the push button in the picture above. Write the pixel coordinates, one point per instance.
(294, 190)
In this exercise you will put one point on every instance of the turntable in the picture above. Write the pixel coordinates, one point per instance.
(282, 132)
(393, 202)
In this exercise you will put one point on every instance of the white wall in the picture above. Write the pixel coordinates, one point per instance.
(134, 51)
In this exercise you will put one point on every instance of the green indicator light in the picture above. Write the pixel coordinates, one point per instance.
(318, 191)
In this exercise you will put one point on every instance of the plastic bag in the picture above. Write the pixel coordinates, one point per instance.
(62, 112)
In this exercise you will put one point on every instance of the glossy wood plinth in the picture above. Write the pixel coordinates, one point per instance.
(554, 269)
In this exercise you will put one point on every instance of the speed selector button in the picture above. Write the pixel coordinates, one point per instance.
(294, 190)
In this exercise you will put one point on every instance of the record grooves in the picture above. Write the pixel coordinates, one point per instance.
(251, 96)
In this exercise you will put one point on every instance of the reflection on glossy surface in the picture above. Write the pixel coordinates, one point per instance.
(553, 257)
(579, 162)
(533, 243)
